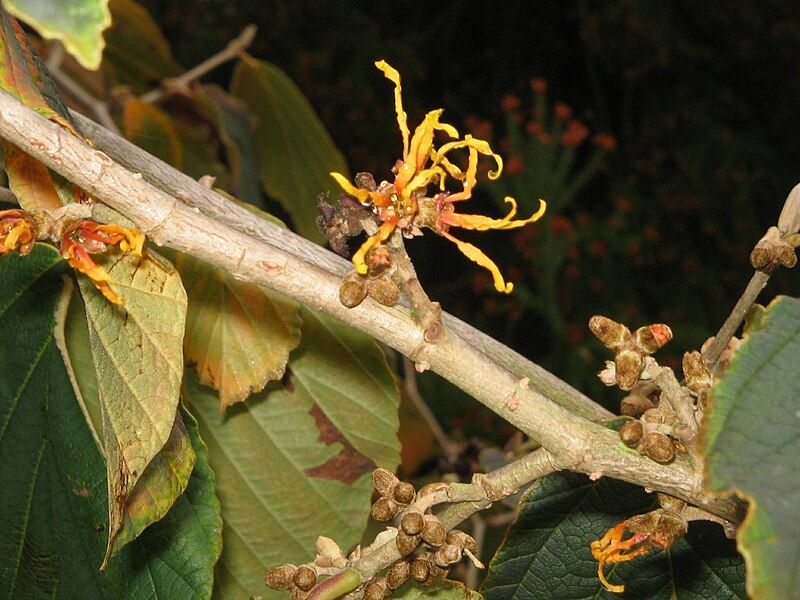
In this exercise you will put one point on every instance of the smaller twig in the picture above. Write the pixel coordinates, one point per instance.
(693, 513)
(679, 399)
(98, 107)
(479, 535)
(427, 313)
(234, 48)
(412, 392)
(336, 586)
(712, 355)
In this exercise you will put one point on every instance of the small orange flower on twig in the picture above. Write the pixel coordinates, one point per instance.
(84, 238)
(16, 232)
(404, 203)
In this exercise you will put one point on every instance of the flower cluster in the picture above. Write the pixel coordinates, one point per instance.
(16, 232)
(404, 203)
(84, 238)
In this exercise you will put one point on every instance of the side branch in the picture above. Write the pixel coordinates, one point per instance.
(571, 439)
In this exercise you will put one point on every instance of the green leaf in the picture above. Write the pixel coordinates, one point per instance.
(152, 129)
(296, 152)
(238, 335)
(294, 462)
(236, 127)
(751, 446)
(52, 484)
(546, 551)
(137, 54)
(78, 24)
(441, 590)
(138, 357)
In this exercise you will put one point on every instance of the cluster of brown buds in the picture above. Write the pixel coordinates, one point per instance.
(377, 283)
(659, 529)
(429, 551)
(300, 580)
(630, 349)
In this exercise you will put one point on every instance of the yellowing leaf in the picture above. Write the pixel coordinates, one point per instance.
(30, 180)
(296, 153)
(78, 24)
(238, 335)
(138, 357)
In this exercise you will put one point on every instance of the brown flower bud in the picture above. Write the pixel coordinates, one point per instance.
(406, 544)
(698, 377)
(365, 180)
(383, 480)
(353, 290)
(629, 365)
(670, 528)
(280, 577)
(404, 493)
(384, 290)
(447, 555)
(419, 569)
(612, 334)
(376, 589)
(462, 540)
(652, 337)
(670, 503)
(657, 447)
(398, 574)
(378, 260)
(412, 522)
(384, 509)
(631, 433)
(635, 405)
(305, 578)
(433, 532)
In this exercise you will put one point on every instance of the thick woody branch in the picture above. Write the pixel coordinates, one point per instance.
(570, 438)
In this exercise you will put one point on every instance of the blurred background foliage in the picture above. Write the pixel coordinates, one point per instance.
(659, 133)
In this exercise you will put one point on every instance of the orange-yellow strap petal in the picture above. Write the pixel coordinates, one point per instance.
(360, 194)
(402, 119)
(469, 180)
(479, 145)
(483, 223)
(384, 231)
(476, 255)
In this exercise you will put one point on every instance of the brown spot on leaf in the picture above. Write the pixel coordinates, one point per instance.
(349, 464)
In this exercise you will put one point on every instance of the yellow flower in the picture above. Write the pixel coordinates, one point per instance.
(397, 204)
(612, 549)
(16, 232)
(83, 238)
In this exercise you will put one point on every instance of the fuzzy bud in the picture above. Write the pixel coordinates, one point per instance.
(280, 577)
(404, 493)
(383, 480)
(412, 522)
(629, 365)
(419, 569)
(378, 260)
(698, 377)
(376, 589)
(353, 290)
(384, 290)
(447, 555)
(397, 575)
(635, 405)
(305, 578)
(406, 544)
(462, 540)
(433, 532)
(631, 433)
(671, 527)
(652, 337)
(657, 447)
(384, 509)
(612, 334)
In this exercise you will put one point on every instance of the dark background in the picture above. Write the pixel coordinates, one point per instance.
(702, 99)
